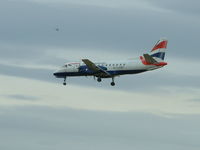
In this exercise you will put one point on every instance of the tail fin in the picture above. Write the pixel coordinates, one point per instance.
(158, 51)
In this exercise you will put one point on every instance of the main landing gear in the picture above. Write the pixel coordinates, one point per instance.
(99, 79)
(64, 83)
(112, 83)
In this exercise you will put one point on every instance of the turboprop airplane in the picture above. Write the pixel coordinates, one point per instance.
(111, 69)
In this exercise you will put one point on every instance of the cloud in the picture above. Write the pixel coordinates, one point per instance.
(187, 7)
(33, 49)
(195, 100)
(21, 97)
(50, 128)
(168, 76)
(38, 73)
(182, 64)
(117, 4)
(88, 28)
(155, 5)
(170, 100)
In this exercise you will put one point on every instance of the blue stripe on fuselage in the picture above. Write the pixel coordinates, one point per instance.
(113, 73)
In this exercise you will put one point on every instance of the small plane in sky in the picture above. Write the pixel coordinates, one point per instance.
(111, 69)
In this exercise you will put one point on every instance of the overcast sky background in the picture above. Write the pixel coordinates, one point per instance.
(150, 111)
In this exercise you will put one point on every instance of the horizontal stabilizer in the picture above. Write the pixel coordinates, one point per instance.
(149, 59)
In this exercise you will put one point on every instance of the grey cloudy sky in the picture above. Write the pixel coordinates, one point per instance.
(154, 110)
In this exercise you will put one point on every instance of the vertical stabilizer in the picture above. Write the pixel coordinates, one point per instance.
(158, 51)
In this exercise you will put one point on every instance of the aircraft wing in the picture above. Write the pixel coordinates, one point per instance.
(95, 68)
(149, 59)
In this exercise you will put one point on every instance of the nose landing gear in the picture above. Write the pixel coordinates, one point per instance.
(64, 83)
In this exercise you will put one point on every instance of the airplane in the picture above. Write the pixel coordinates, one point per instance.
(111, 69)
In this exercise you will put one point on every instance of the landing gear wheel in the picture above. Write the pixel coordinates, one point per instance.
(112, 83)
(99, 79)
(64, 83)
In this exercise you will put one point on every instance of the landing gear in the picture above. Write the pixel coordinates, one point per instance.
(112, 83)
(64, 83)
(99, 79)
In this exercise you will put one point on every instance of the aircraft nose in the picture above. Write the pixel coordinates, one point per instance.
(56, 73)
(60, 73)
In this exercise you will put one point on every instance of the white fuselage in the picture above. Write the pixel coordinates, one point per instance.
(115, 68)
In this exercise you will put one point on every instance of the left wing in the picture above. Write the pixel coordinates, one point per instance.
(95, 68)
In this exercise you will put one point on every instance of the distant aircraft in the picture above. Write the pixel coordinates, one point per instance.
(111, 69)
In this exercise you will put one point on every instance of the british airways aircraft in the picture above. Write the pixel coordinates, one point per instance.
(147, 62)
